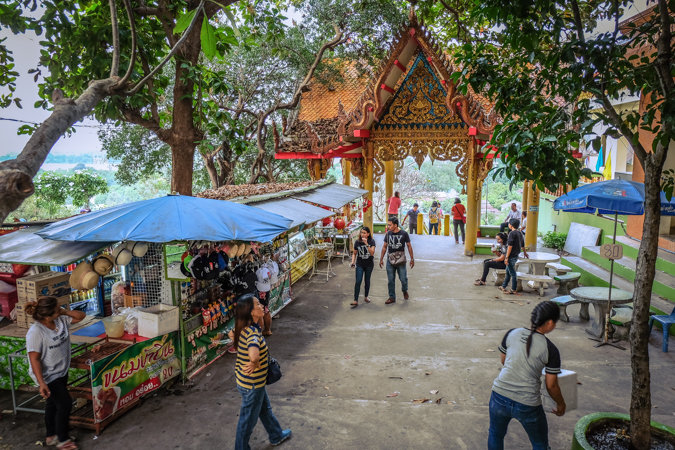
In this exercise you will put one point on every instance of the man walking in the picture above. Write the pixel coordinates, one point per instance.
(515, 244)
(513, 214)
(412, 213)
(395, 242)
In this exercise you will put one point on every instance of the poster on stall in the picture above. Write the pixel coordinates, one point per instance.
(119, 379)
(204, 345)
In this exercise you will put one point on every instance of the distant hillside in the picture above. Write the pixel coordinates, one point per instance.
(57, 158)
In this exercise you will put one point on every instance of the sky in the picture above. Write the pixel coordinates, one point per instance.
(26, 51)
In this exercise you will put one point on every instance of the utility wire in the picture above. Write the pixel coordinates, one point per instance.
(39, 123)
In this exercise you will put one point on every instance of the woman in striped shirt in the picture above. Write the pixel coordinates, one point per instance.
(251, 374)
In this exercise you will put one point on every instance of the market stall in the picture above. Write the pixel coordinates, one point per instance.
(184, 259)
(310, 205)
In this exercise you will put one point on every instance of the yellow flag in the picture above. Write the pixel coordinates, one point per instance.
(607, 172)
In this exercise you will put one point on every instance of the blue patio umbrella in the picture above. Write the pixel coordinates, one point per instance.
(610, 197)
(171, 218)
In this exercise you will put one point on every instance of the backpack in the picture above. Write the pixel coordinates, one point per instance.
(433, 215)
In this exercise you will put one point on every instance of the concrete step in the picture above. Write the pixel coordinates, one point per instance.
(665, 261)
(664, 282)
(594, 275)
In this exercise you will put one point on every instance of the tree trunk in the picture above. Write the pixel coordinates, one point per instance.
(211, 169)
(640, 403)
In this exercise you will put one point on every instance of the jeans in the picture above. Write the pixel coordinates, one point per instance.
(391, 277)
(490, 264)
(413, 228)
(57, 409)
(459, 223)
(532, 418)
(433, 226)
(511, 274)
(255, 404)
(360, 272)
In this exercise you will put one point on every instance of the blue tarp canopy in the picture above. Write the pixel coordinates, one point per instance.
(610, 197)
(171, 218)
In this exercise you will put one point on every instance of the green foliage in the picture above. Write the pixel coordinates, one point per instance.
(555, 240)
(139, 151)
(441, 176)
(84, 185)
(51, 191)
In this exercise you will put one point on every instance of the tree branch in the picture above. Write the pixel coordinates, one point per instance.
(638, 149)
(134, 116)
(173, 51)
(151, 88)
(115, 66)
(577, 21)
(132, 62)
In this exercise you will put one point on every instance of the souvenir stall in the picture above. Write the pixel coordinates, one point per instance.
(143, 344)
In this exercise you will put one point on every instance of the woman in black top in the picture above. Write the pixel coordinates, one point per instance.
(363, 260)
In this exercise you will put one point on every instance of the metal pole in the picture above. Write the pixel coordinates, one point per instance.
(611, 276)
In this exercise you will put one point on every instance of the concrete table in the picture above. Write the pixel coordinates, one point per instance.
(538, 261)
(597, 296)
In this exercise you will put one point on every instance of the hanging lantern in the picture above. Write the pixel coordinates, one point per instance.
(339, 223)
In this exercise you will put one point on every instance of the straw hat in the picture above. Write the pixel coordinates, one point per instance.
(121, 255)
(103, 264)
(138, 249)
(241, 250)
(247, 249)
(232, 250)
(84, 277)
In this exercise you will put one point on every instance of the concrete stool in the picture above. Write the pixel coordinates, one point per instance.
(567, 282)
(560, 269)
(537, 280)
(499, 275)
(563, 302)
(621, 318)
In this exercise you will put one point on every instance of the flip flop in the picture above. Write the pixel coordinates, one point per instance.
(479, 283)
(354, 304)
(366, 299)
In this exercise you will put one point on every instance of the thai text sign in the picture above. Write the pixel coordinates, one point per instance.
(119, 379)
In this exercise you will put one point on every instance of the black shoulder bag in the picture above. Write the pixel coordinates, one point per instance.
(273, 369)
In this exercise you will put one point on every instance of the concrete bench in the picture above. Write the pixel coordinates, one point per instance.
(538, 281)
(560, 269)
(499, 275)
(523, 262)
(567, 282)
(489, 230)
(566, 300)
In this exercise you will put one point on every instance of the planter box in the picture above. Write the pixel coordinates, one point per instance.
(579, 441)
(158, 320)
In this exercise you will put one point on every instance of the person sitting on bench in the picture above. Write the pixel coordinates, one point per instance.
(513, 214)
(494, 263)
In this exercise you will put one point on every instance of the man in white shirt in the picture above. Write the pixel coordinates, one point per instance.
(513, 214)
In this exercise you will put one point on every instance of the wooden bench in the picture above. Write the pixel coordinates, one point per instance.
(538, 281)
(499, 275)
(560, 269)
(567, 282)
(566, 300)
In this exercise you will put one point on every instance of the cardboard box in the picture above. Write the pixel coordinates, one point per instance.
(21, 288)
(48, 284)
(131, 301)
(25, 321)
(567, 380)
(158, 320)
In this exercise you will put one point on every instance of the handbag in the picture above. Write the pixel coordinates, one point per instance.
(463, 216)
(273, 370)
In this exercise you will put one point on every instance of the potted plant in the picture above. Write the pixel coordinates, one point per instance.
(553, 78)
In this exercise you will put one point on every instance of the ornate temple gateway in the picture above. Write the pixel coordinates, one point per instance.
(410, 107)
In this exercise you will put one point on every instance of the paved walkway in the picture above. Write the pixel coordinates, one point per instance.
(340, 364)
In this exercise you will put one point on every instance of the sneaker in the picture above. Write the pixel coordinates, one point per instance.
(232, 350)
(405, 295)
(284, 435)
(390, 301)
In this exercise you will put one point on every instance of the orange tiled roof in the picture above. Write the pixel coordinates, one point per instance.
(321, 102)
